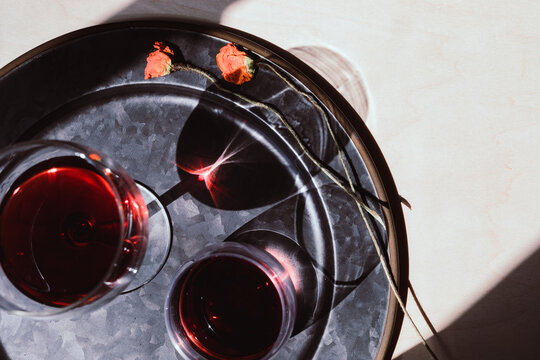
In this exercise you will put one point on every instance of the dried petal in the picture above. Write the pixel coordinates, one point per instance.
(236, 66)
(159, 62)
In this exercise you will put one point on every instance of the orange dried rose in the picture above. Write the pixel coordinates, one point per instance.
(159, 62)
(237, 67)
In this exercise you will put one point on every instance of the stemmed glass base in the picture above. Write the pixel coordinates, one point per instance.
(160, 237)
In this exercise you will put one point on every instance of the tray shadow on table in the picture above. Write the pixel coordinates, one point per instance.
(3, 354)
(206, 10)
(504, 324)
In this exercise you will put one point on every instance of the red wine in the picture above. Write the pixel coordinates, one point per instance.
(60, 231)
(229, 309)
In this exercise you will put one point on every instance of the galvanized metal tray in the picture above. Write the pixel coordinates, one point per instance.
(89, 87)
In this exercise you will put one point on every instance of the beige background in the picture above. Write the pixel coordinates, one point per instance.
(451, 92)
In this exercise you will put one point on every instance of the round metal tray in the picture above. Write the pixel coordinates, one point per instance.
(89, 87)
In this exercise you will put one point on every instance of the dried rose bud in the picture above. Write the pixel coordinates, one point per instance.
(237, 67)
(159, 62)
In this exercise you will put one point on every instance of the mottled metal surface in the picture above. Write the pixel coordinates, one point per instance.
(91, 90)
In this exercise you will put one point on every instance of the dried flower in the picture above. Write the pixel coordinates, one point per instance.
(237, 67)
(159, 62)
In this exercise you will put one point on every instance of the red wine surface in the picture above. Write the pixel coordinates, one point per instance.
(229, 309)
(59, 233)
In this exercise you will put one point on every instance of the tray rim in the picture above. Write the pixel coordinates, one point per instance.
(353, 124)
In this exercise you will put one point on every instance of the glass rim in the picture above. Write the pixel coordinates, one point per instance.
(264, 261)
(99, 167)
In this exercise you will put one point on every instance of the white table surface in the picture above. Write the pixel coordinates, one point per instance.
(453, 100)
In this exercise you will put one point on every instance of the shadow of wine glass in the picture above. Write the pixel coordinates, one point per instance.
(342, 75)
(230, 161)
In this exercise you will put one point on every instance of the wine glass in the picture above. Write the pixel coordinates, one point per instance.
(232, 301)
(73, 229)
